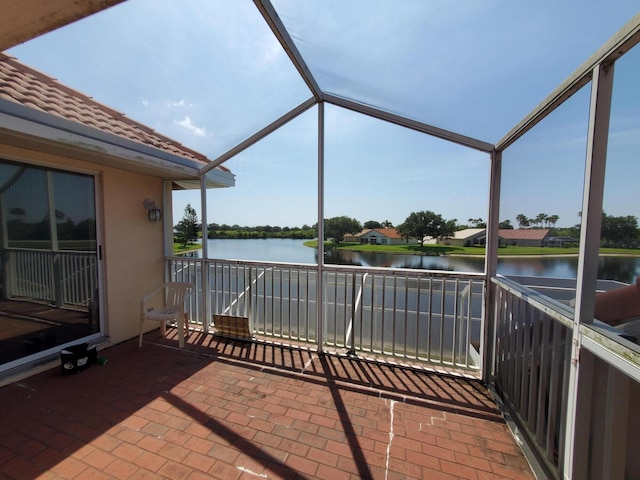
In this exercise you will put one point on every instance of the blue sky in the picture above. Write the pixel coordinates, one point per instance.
(210, 73)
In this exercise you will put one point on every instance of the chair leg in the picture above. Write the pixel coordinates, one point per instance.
(141, 326)
(180, 333)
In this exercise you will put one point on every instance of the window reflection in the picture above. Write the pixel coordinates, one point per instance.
(48, 261)
(75, 220)
(25, 202)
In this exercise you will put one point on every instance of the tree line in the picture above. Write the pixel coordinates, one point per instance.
(540, 220)
(418, 225)
(616, 231)
(261, 231)
(189, 229)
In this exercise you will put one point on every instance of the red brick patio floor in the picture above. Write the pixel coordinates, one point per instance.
(219, 409)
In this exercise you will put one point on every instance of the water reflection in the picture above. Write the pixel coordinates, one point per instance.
(559, 267)
(622, 269)
(615, 268)
(424, 262)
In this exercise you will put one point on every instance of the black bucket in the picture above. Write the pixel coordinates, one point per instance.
(78, 357)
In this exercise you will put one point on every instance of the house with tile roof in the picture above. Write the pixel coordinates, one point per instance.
(524, 237)
(79, 184)
(467, 237)
(380, 236)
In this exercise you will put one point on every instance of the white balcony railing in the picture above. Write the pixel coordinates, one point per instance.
(431, 317)
(531, 365)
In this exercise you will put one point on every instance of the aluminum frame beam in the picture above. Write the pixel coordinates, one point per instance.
(277, 27)
(408, 123)
(256, 137)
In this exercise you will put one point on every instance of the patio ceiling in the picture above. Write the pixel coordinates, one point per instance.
(27, 19)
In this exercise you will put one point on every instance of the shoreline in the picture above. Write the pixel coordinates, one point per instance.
(543, 255)
(444, 254)
(467, 255)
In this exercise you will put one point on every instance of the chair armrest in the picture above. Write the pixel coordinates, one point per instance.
(144, 307)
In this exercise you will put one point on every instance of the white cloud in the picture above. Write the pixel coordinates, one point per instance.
(186, 123)
(180, 103)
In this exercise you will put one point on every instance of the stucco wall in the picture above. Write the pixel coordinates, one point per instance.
(133, 248)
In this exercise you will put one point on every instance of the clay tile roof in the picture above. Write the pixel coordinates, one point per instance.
(387, 232)
(28, 87)
(524, 233)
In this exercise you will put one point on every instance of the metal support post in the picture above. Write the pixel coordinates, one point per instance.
(319, 280)
(599, 114)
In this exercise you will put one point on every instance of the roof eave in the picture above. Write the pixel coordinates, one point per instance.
(30, 128)
(27, 19)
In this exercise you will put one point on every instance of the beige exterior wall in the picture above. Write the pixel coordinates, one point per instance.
(455, 242)
(133, 248)
(133, 258)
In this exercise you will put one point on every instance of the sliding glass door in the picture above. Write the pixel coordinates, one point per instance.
(49, 289)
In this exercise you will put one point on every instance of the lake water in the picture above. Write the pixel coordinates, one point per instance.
(623, 269)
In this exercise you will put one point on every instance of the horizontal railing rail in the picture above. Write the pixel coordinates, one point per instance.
(423, 316)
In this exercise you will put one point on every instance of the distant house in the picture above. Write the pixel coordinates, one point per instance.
(560, 241)
(380, 236)
(468, 237)
(524, 237)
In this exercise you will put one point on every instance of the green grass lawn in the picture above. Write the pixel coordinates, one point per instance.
(189, 247)
(451, 250)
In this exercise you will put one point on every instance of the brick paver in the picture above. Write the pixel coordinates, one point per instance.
(219, 409)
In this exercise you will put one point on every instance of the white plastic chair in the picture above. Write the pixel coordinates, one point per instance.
(168, 307)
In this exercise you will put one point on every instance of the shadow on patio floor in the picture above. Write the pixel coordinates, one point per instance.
(224, 409)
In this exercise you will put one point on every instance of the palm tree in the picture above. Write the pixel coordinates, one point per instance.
(540, 218)
(522, 220)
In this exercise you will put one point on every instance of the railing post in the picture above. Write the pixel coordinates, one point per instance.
(206, 297)
(250, 299)
(352, 334)
(488, 340)
(56, 268)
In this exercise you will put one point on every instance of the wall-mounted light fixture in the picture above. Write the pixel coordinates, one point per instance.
(154, 214)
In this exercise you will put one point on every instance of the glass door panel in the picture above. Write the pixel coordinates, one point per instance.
(48, 261)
